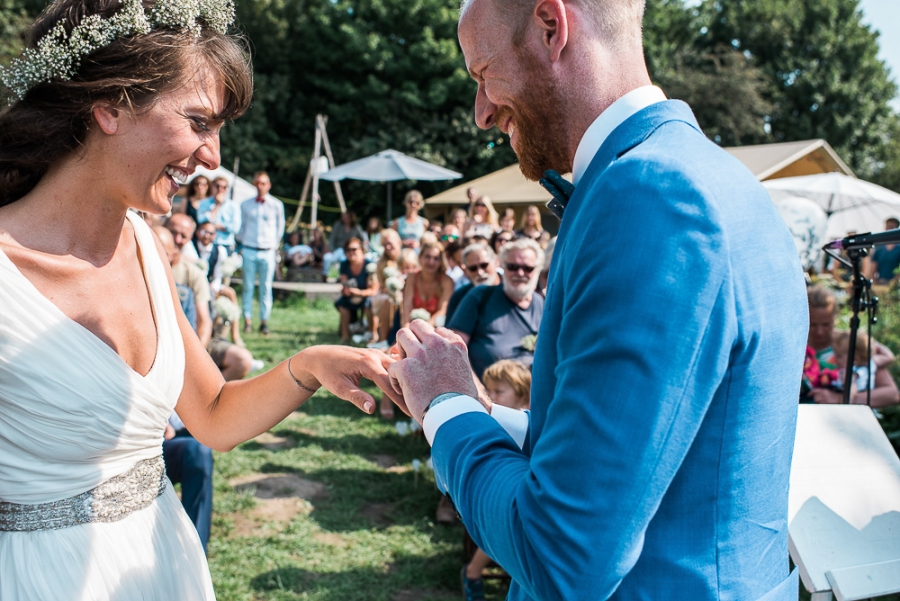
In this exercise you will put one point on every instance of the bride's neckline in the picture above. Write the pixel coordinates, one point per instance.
(51, 306)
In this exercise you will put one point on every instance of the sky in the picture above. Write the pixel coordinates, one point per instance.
(884, 16)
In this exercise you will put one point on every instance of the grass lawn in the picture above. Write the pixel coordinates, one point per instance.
(327, 505)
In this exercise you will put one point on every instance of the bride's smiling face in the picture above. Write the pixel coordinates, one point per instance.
(157, 148)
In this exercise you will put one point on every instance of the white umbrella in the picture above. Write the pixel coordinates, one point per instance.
(851, 204)
(389, 166)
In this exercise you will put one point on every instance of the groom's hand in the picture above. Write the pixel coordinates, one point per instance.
(432, 362)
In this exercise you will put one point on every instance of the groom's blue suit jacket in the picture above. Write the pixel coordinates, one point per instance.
(664, 398)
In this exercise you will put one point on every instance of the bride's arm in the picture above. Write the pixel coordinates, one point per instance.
(222, 415)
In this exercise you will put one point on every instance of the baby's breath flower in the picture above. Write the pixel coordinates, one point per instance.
(58, 54)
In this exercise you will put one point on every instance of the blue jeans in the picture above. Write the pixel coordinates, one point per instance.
(261, 263)
(191, 463)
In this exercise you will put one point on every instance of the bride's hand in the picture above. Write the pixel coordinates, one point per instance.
(340, 369)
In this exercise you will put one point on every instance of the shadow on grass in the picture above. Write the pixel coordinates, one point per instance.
(371, 499)
(408, 578)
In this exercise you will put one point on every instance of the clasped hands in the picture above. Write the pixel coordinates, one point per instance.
(426, 363)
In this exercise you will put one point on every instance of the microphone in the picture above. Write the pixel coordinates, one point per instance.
(866, 240)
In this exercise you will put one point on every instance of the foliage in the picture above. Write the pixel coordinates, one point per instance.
(821, 64)
(14, 20)
(726, 91)
(388, 74)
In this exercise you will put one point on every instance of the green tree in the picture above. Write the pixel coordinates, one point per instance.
(726, 91)
(825, 80)
(389, 74)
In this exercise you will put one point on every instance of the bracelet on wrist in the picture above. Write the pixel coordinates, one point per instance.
(298, 382)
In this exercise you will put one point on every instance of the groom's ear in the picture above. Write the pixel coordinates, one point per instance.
(107, 117)
(552, 20)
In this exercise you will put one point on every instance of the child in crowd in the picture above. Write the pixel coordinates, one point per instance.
(863, 374)
(508, 383)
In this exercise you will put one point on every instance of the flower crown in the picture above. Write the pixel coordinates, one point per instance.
(59, 55)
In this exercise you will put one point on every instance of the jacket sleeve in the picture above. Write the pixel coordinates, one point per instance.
(646, 324)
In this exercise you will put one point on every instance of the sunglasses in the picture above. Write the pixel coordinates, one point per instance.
(353, 249)
(515, 267)
(480, 204)
(449, 238)
(477, 266)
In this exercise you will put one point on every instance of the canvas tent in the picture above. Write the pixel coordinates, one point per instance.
(508, 187)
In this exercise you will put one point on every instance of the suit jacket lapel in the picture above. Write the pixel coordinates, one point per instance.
(626, 136)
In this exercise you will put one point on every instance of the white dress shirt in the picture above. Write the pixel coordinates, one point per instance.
(615, 115)
(513, 421)
(262, 223)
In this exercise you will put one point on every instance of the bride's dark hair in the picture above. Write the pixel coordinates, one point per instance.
(53, 118)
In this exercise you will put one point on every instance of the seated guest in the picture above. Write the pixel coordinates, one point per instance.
(508, 384)
(385, 303)
(886, 259)
(458, 219)
(507, 221)
(430, 288)
(411, 226)
(373, 231)
(453, 253)
(530, 226)
(319, 247)
(499, 239)
(233, 361)
(821, 371)
(343, 229)
(215, 255)
(480, 265)
(358, 285)
(482, 219)
(295, 254)
(190, 463)
(497, 322)
(222, 212)
(449, 233)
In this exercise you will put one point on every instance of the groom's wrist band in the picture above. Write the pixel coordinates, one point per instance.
(440, 399)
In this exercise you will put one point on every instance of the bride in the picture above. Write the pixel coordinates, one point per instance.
(115, 106)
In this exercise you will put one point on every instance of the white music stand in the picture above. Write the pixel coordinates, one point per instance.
(844, 507)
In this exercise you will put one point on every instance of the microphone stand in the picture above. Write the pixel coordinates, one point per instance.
(861, 299)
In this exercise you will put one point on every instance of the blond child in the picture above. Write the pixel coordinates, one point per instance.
(508, 383)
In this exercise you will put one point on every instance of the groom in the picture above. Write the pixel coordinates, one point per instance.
(655, 461)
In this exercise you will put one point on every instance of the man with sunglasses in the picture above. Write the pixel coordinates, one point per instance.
(479, 265)
(495, 320)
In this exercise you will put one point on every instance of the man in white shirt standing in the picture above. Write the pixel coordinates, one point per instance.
(262, 226)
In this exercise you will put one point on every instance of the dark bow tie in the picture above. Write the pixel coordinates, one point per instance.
(560, 189)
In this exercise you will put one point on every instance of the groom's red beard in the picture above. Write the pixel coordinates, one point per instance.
(540, 124)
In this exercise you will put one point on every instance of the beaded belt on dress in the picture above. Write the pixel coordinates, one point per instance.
(111, 501)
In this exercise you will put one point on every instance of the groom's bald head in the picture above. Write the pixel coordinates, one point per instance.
(615, 21)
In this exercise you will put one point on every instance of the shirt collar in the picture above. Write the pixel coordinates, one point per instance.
(614, 115)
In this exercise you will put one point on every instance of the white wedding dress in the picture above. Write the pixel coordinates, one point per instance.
(73, 415)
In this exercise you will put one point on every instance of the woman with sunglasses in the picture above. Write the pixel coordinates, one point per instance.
(411, 226)
(482, 219)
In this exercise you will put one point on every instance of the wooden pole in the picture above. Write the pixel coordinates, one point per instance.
(296, 221)
(321, 121)
(315, 178)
